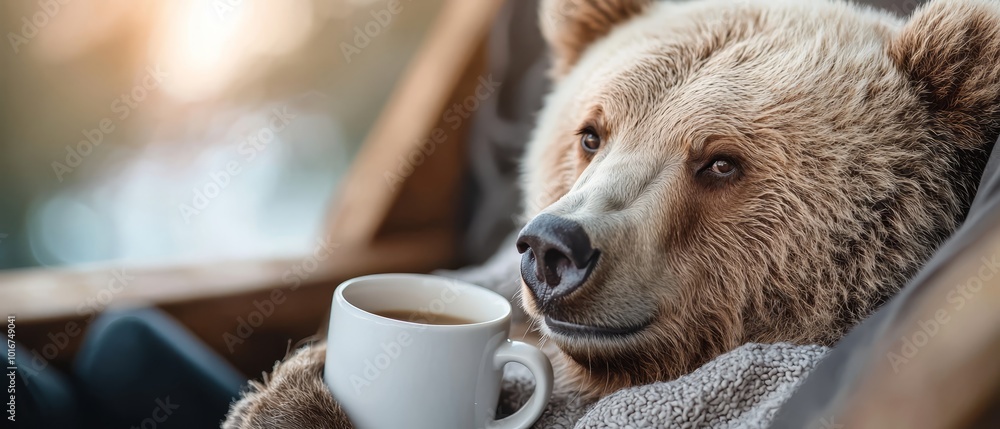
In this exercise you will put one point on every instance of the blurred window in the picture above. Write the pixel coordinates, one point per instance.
(186, 130)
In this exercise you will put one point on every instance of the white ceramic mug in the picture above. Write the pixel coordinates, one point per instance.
(413, 373)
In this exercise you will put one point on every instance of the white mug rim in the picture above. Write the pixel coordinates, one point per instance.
(359, 312)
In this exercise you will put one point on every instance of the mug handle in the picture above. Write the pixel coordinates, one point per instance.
(541, 369)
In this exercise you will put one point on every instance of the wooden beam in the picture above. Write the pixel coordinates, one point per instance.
(40, 294)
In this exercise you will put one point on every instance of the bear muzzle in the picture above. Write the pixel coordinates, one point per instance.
(557, 257)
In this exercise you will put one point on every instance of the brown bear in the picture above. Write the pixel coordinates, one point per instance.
(710, 173)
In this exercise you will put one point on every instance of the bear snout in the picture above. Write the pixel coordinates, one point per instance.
(557, 257)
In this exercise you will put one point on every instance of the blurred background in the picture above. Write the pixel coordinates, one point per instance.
(190, 130)
(162, 132)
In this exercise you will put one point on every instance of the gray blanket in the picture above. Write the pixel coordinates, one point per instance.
(740, 389)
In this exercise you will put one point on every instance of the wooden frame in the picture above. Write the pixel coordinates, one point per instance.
(406, 224)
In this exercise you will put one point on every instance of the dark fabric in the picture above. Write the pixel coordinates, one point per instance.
(838, 374)
(501, 129)
(136, 368)
(45, 397)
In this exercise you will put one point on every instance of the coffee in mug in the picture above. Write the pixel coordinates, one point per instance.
(420, 351)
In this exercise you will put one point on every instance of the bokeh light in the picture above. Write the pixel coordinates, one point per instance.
(116, 114)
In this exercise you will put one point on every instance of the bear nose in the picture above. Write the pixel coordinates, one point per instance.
(556, 256)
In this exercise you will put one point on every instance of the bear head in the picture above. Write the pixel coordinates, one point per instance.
(709, 173)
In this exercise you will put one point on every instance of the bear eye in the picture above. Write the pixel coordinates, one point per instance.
(721, 167)
(589, 140)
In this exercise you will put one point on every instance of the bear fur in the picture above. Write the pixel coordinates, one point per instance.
(853, 142)
(856, 141)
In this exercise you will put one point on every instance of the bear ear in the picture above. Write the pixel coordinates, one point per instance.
(569, 26)
(951, 51)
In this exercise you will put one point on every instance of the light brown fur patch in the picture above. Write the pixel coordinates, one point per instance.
(293, 396)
